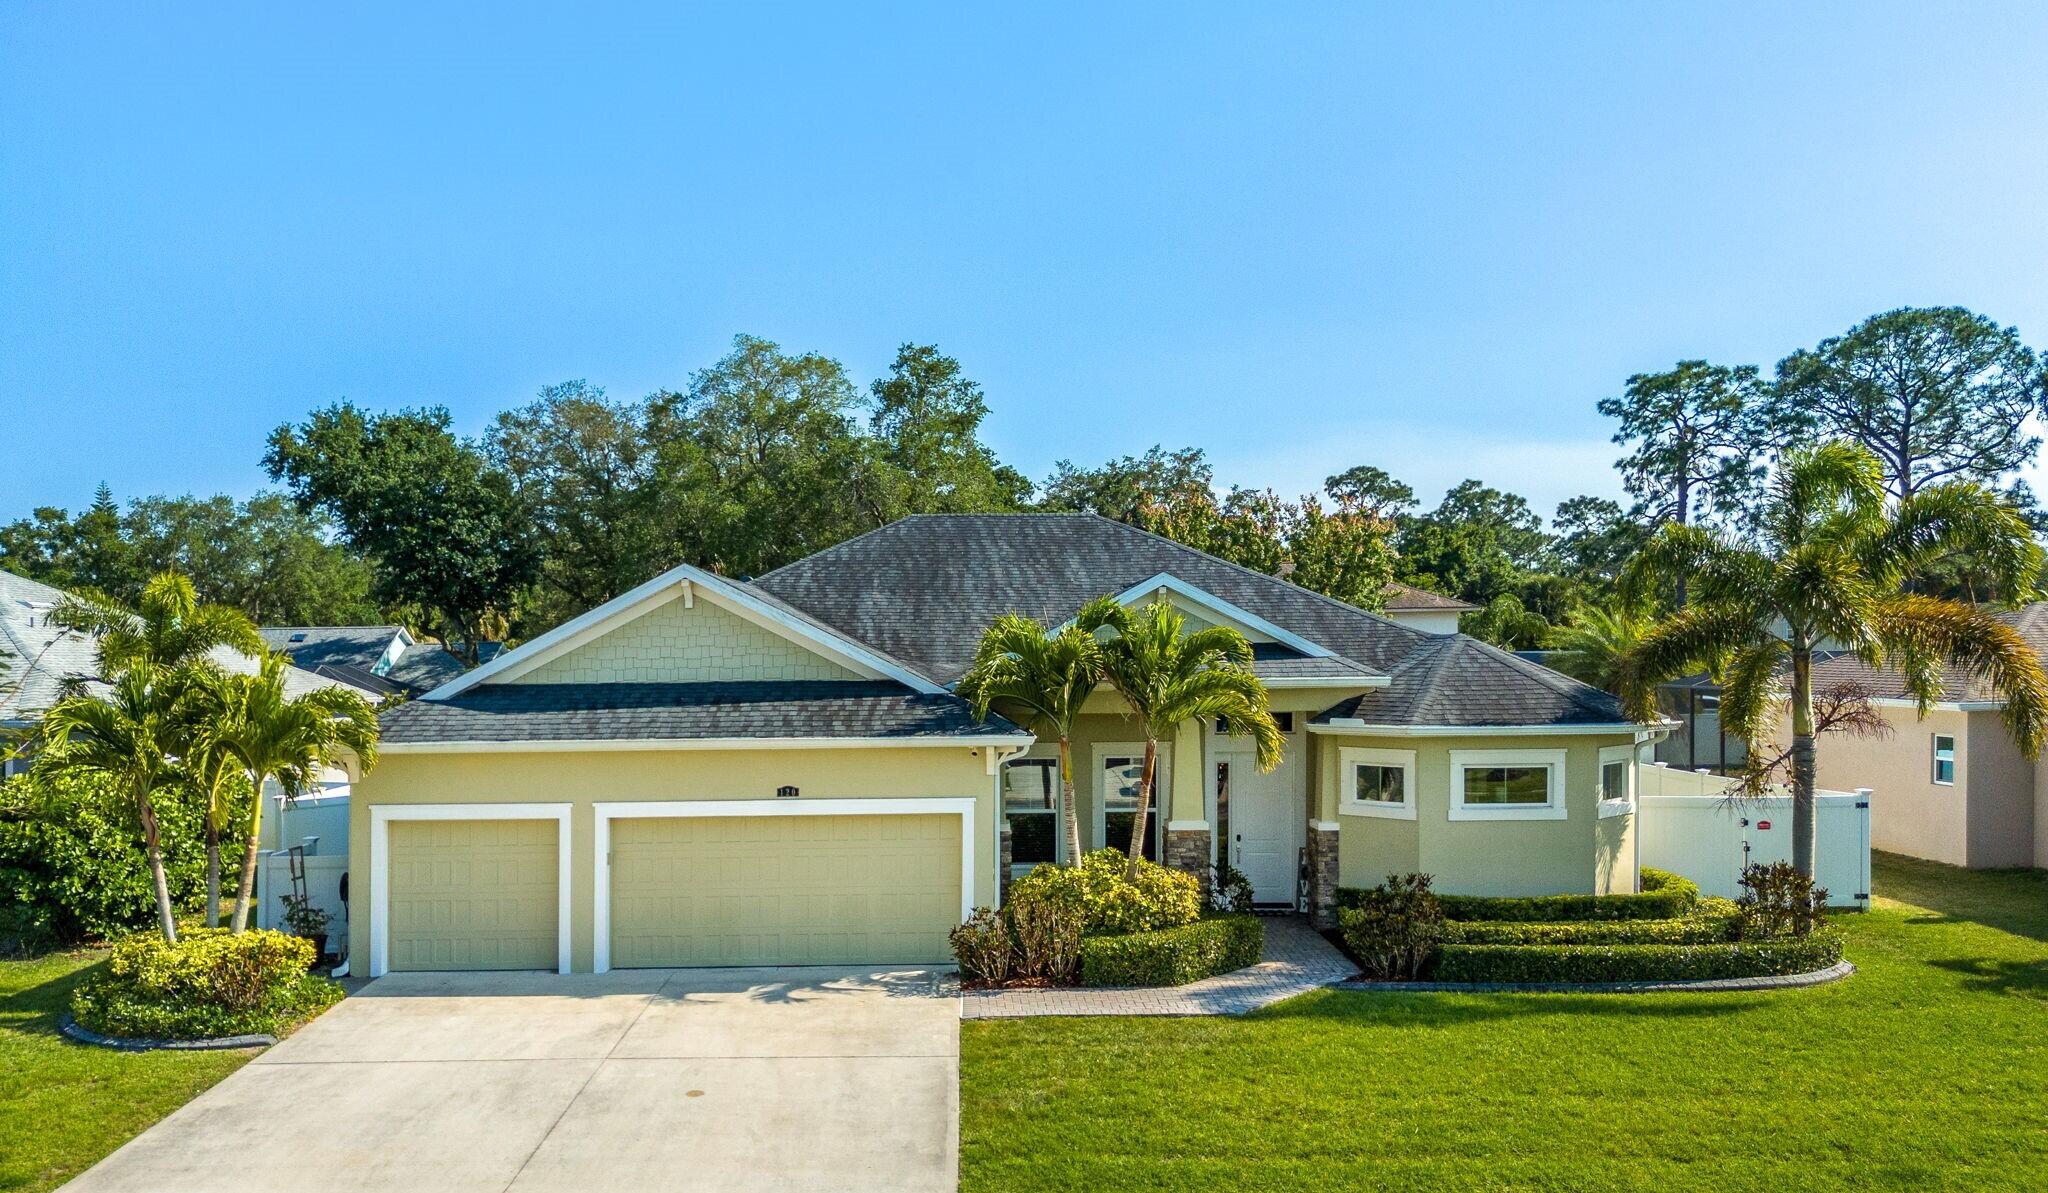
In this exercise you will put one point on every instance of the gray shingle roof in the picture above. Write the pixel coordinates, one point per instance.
(334, 649)
(529, 712)
(46, 656)
(1957, 683)
(1457, 680)
(1408, 598)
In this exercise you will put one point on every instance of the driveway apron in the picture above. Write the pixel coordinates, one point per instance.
(712, 1079)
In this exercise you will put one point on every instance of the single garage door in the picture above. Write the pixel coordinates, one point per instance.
(473, 894)
(783, 890)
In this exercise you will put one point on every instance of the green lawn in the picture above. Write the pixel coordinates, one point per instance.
(1928, 1069)
(63, 1106)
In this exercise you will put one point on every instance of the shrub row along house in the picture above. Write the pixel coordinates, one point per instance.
(712, 771)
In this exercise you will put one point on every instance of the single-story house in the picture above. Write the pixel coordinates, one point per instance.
(385, 659)
(710, 771)
(1952, 786)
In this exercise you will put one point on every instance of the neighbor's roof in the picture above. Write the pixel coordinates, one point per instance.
(46, 656)
(1957, 683)
(348, 652)
(550, 712)
(1455, 680)
(1406, 598)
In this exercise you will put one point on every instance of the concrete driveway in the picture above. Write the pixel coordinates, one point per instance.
(733, 1079)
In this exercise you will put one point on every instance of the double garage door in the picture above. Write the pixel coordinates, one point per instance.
(685, 891)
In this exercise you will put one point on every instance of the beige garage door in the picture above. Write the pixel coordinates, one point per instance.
(473, 894)
(783, 890)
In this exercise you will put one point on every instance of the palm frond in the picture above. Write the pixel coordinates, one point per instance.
(1698, 637)
(1753, 689)
(1951, 519)
(1924, 627)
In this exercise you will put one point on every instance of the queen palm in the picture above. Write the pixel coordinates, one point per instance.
(1044, 676)
(121, 742)
(290, 739)
(1169, 677)
(168, 627)
(1825, 569)
(1592, 645)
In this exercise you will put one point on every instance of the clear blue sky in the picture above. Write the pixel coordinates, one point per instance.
(1302, 238)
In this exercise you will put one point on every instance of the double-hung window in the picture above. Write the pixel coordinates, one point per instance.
(1944, 760)
(1377, 783)
(1507, 785)
(1031, 800)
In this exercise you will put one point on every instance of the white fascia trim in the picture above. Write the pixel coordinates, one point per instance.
(1340, 727)
(701, 743)
(381, 816)
(1553, 760)
(1329, 681)
(1245, 618)
(1941, 705)
(1187, 826)
(605, 813)
(1326, 826)
(688, 582)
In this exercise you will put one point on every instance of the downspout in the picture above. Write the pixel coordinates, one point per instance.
(1647, 737)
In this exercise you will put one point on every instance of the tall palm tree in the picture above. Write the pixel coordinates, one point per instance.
(1826, 569)
(1169, 677)
(1045, 675)
(168, 627)
(1591, 646)
(122, 740)
(290, 739)
(211, 768)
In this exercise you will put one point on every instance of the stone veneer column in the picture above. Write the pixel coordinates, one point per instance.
(1187, 848)
(1322, 873)
(1003, 855)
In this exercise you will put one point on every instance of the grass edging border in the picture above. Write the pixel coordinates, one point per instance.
(74, 1030)
(1789, 981)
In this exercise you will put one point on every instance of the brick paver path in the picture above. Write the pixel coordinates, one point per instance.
(1295, 961)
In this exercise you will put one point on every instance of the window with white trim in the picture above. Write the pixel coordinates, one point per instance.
(1031, 801)
(1507, 785)
(1944, 760)
(1617, 780)
(1377, 783)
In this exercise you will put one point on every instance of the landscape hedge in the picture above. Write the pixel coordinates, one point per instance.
(1711, 921)
(1664, 896)
(1173, 956)
(1637, 962)
(208, 985)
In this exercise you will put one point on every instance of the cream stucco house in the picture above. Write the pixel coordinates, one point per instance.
(707, 771)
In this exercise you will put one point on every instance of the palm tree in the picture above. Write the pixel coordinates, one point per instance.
(290, 739)
(1168, 677)
(168, 627)
(1826, 570)
(122, 739)
(211, 768)
(1046, 675)
(1591, 646)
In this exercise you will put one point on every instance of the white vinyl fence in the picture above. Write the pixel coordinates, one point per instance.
(1689, 825)
(323, 890)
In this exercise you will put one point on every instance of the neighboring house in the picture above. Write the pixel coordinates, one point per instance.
(1423, 610)
(707, 771)
(385, 659)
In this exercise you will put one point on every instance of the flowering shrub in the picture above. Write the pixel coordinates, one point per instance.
(1109, 901)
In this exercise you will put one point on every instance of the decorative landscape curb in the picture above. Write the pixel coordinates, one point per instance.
(1790, 981)
(86, 1035)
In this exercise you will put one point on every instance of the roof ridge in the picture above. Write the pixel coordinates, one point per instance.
(1578, 691)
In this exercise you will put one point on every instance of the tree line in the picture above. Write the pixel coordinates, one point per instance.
(767, 456)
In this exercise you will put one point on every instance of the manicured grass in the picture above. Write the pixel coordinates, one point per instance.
(1926, 1070)
(62, 1105)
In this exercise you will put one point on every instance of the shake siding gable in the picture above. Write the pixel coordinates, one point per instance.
(678, 643)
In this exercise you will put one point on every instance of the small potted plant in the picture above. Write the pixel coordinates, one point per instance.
(301, 918)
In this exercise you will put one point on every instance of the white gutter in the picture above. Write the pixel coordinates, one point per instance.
(1022, 740)
(1352, 726)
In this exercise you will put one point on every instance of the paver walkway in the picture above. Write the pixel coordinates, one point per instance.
(1295, 961)
(711, 1079)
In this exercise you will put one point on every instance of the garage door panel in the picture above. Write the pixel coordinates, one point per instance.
(784, 890)
(473, 894)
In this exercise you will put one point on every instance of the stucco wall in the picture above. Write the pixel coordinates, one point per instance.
(2000, 789)
(1581, 853)
(1909, 812)
(583, 779)
(675, 644)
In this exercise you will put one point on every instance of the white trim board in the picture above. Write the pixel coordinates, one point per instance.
(601, 892)
(1337, 727)
(703, 743)
(381, 816)
(687, 583)
(1552, 761)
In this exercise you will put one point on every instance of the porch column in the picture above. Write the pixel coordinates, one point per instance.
(1187, 823)
(1322, 833)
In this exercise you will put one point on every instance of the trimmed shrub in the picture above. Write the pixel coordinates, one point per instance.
(1567, 963)
(1664, 896)
(1108, 901)
(69, 873)
(211, 983)
(1230, 892)
(981, 946)
(1393, 928)
(1701, 927)
(1173, 956)
(1778, 900)
(1045, 936)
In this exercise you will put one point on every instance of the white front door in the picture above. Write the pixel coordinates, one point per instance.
(1264, 816)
